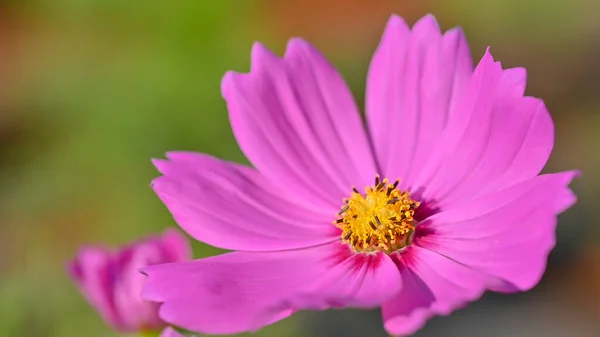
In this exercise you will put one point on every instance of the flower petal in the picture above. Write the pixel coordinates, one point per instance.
(496, 138)
(91, 272)
(234, 207)
(432, 285)
(359, 280)
(297, 122)
(243, 291)
(170, 332)
(127, 282)
(506, 234)
(413, 84)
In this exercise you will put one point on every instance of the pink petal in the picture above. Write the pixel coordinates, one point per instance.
(496, 138)
(234, 207)
(133, 311)
(506, 234)
(170, 332)
(297, 122)
(243, 291)
(432, 285)
(413, 84)
(91, 272)
(174, 246)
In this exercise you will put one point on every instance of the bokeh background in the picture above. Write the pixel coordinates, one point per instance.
(90, 90)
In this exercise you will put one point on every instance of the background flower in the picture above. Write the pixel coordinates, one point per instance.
(110, 279)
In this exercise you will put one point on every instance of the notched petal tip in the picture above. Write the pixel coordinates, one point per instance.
(395, 28)
(157, 184)
(456, 36)
(149, 291)
(565, 197)
(575, 174)
(228, 83)
(457, 33)
(395, 20)
(300, 54)
(261, 59)
(516, 78)
(488, 53)
(179, 155)
(564, 178)
(161, 165)
(296, 43)
(261, 55)
(456, 41)
(516, 74)
(487, 57)
(488, 65)
(297, 48)
(427, 22)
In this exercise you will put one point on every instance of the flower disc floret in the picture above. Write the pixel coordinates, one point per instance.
(381, 219)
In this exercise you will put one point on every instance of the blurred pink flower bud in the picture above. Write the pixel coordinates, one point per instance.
(110, 281)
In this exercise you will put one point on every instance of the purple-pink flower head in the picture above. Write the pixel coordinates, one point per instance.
(110, 281)
(435, 200)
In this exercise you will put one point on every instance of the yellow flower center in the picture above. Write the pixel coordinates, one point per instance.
(381, 219)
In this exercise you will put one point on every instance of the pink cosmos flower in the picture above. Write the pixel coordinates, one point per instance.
(321, 220)
(111, 283)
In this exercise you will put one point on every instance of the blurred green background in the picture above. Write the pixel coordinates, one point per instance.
(90, 90)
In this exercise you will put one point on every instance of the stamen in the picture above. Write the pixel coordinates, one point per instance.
(393, 201)
(379, 220)
(344, 209)
(389, 191)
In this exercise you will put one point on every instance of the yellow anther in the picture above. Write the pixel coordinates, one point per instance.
(381, 219)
